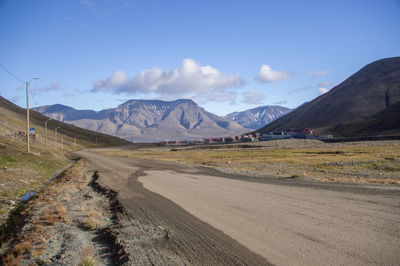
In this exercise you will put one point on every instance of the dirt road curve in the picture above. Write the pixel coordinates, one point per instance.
(186, 215)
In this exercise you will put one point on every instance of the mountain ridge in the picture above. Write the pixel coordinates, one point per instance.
(148, 120)
(258, 117)
(372, 89)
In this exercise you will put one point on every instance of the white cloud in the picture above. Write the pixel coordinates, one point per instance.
(52, 87)
(318, 73)
(39, 90)
(189, 80)
(115, 80)
(267, 75)
(253, 97)
(322, 90)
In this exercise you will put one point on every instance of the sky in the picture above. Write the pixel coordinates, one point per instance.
(225, 55)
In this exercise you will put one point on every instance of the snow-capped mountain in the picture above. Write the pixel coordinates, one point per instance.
(258, 117)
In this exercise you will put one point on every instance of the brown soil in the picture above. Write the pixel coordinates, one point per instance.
(71, 222)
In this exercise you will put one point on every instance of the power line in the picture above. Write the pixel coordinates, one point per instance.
(33, 98)
(5, 69)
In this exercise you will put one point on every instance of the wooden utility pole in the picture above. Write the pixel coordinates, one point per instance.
(27, 117)
(62, 142)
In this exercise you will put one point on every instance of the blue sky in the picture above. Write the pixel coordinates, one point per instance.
(226, 55)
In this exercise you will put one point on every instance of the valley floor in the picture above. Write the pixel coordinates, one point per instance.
(372, 162)
(216, 205)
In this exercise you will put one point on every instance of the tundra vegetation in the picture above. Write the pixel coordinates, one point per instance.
(21, 172)
(359, 162)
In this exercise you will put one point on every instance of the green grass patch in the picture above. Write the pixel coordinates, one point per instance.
(5, 194)
(8, 161)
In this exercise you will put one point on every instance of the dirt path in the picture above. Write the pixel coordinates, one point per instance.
(157, 231)
(215, 218)
(288, 225)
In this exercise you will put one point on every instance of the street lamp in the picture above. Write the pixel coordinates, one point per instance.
(45, 128)
(27, 114)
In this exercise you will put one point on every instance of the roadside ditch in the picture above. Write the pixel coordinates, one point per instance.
(73, 220)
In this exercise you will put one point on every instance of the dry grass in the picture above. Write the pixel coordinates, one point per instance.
(88, 261)
(47, 213)
(66, 198)
(365, 162)
(22, 248)
(13, 256)
(90, 224)
(51, 217)
(10, 260)
(383, 181)
(94, 213)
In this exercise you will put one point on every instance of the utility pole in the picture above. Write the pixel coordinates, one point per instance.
(27, 115)
(74, 142)
(62, 142)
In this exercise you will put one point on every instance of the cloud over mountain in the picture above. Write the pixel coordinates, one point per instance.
(190, 79)
(323, 90)
(268, 75)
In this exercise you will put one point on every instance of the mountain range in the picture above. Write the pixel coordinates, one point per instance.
(363, 101)
(258, 117)
(148, 120)
(367, 103)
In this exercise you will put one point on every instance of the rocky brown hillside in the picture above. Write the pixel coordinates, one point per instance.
(148, 120)
(386, 123)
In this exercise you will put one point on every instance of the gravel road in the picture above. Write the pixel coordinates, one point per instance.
(195, 215)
